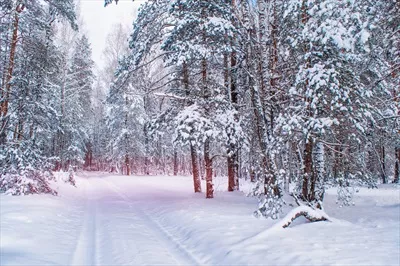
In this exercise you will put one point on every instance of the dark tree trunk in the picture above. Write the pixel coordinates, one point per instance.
(231, 174)
(308, 169)
(337, 164)
(88, 156)
(209, 170)
(252, 175)
(397, 166)
(127, 165)
(175, 163)
(7, 91)
(383, 164)
(195, 169)
(232, 161)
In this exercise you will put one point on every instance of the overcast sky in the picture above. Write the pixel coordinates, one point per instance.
(98, 21)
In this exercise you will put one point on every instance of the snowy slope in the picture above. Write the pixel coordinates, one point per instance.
(118, 220)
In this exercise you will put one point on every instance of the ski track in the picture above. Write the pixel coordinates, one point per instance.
(99, 235)
(86, 246)
(179, 252)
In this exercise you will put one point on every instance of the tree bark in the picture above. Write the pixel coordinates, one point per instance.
(11, 64)
(127, 165)
(146, 145)
(127, 162)
(175, 162)
(383, 164)
(232, 161)
(195, 169)
(209, 170)
(231, 174)
(207, 156)
(319, 172)
(337, 163)
(396, 93)
(308, 168)
(397, 166)
(193, 151)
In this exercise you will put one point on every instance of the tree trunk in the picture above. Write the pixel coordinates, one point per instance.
(396, 99)
(209, 170)
(263, 46)
(337, 164)
(175, 163)
(193, 151)
(397, 166)
(231, 174)
(195, 169)
(232, 161)
(308, 168)
(252, 175)
(273, 75)
(127, 162)
(226, 73)
(127, 165)
(7, 90)
(316, 191)
(146, 145)
(383, 164)
(207, 156)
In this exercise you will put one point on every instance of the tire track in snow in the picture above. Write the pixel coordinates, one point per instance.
(179, 252)
(85, 251)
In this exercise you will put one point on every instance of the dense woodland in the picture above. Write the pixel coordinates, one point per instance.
(279, 92)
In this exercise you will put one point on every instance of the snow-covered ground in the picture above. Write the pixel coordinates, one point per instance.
(119, 220)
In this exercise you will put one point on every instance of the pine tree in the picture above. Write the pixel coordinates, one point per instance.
(27, 103)
(75, 105)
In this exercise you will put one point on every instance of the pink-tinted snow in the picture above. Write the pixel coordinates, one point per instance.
(119, 220)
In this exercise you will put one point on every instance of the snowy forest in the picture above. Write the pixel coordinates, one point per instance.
(277, 92)
(283, 100)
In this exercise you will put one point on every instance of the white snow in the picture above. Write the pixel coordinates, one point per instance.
(140, 220)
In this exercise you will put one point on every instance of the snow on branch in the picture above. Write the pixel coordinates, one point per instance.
(313, 215)
(160, 94)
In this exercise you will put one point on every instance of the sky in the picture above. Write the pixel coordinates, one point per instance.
(98, 21)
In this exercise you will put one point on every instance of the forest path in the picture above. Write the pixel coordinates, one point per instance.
(117, 230)
(113, 220)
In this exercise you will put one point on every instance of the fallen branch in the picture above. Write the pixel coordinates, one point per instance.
(313, 215)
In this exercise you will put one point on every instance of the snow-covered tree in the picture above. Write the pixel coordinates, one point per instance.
(28, 112)
(75, 91)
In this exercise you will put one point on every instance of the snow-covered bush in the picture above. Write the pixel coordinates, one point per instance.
(270, 202)
(24, 170)
(71, 176)
(26, 182)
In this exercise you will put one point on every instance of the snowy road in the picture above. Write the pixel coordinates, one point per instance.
(117, 224)
(118, 220)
